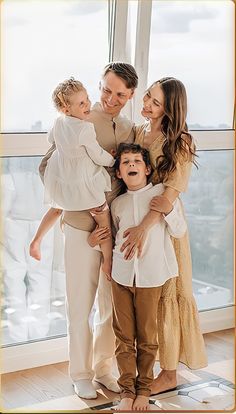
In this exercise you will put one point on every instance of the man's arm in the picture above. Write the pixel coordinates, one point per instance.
(43, 163)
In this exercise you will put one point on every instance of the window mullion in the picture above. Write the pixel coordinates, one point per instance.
(142, 53)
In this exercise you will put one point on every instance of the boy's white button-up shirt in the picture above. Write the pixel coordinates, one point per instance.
(158, 261)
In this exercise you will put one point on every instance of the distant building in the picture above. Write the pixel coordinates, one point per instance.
(37, 126)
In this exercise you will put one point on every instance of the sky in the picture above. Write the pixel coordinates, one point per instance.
(47, 41)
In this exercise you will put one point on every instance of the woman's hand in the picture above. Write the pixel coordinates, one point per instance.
(136, 237)
(99, 236)
(161, 204)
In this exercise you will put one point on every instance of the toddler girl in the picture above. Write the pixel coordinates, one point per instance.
(75, 178)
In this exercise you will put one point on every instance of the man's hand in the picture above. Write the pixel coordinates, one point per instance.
(136, 237)
(99, 236)
(161, 204)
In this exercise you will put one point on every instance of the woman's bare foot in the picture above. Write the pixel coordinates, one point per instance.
(141, 403)
(165, 381)
(125, 404)
(34, 249)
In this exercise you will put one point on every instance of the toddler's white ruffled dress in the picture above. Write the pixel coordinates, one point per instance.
(75, 178)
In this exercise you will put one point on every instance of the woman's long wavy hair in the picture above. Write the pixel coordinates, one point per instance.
(178, 141)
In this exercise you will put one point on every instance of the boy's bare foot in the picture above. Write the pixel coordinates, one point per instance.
(124, 404)
(165, 381)
(34, 250)
(141, 403)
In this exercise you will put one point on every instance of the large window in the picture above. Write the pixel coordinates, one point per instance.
(193, 41)
(209, 208)
(45, 42)
(33, 292)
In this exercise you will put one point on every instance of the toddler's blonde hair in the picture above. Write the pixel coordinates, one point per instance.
(61, 95)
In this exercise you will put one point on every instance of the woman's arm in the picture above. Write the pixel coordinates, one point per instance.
(136, 236)
(157, 202)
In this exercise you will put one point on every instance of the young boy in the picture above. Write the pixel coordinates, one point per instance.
(136, 283)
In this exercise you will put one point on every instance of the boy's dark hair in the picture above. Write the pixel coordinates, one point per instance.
(124, 148)
(124, 71)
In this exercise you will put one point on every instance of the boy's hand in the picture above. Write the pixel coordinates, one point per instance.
(161, 204)
(99, 236)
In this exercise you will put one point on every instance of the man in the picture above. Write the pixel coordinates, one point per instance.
(91, 355)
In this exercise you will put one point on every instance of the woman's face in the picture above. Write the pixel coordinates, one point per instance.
(153, 103)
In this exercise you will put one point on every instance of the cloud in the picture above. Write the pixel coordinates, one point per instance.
(177, 17)
(85, 7)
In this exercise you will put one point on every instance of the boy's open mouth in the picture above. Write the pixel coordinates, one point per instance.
(132, 173)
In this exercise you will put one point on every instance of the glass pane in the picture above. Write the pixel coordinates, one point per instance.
(209, 204)
(194, 42)
(43, 43)
(132, 24)
(33, 303)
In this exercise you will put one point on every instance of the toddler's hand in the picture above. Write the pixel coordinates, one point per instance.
(98, 210)
(113, 152)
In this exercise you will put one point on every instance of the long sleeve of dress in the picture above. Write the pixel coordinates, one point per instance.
(94, 150)
(176, 223)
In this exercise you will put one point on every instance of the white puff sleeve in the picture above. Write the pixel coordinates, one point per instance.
(94, 150)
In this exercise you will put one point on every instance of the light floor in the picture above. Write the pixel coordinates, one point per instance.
(48, 388)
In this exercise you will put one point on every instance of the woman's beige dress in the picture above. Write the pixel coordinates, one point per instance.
(179, 334)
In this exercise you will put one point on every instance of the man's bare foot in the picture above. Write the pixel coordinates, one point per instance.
(165, 381)
(34, 250)
(125, 404)
(141, 403)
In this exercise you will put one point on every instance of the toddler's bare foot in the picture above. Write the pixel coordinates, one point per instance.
(141, 403)
(106, 268)
(34, 250)
(125, 404)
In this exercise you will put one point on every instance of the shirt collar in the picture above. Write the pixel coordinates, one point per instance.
(97, 107)
(141, 190)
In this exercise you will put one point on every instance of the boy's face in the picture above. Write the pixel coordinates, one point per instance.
(133, 171)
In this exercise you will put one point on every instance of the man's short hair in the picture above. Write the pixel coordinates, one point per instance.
(124, 71)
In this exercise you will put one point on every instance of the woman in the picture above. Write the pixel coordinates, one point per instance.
(172, 152)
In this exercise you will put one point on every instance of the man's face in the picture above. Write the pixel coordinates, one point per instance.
(133, 170)
(114, 94)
